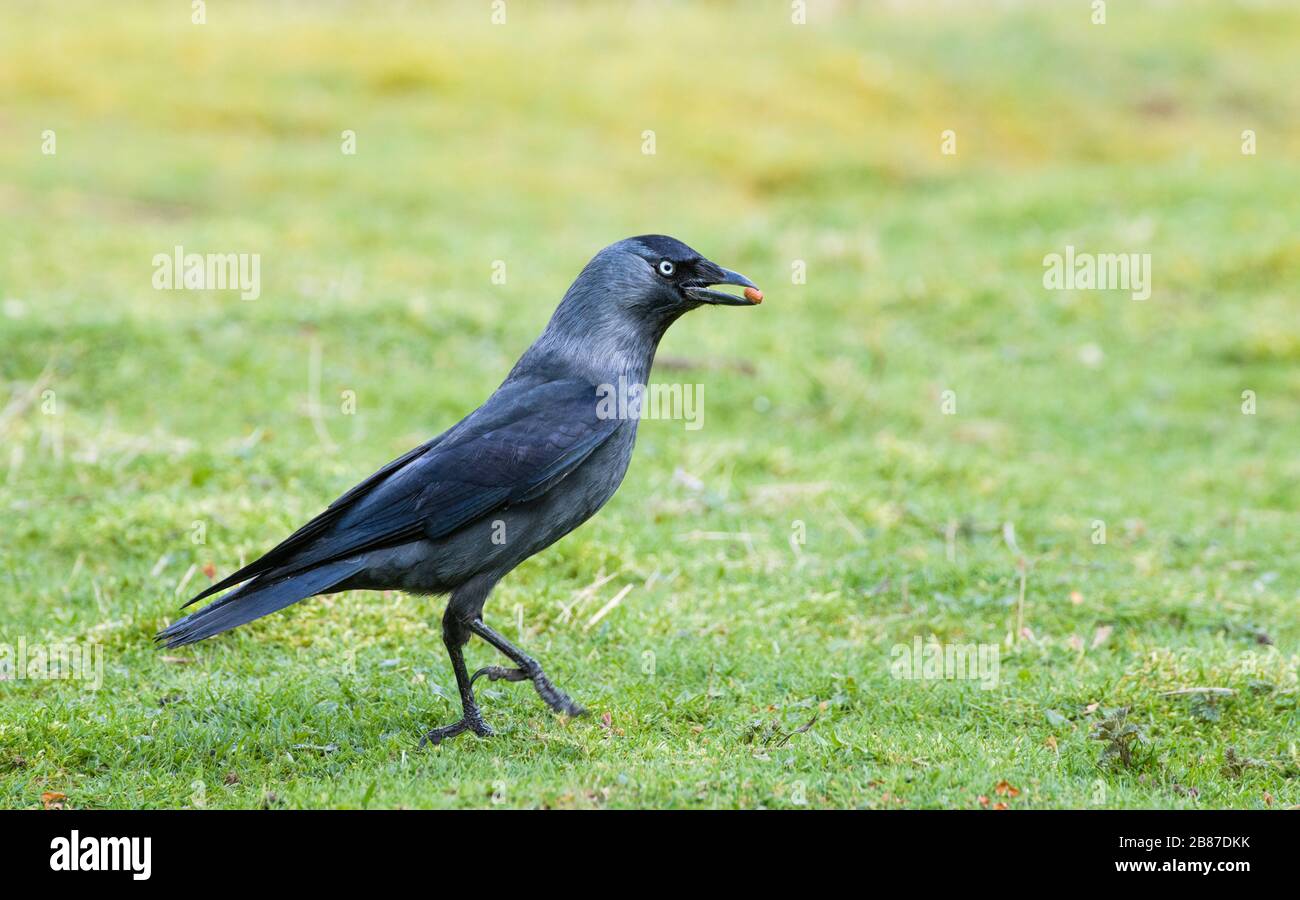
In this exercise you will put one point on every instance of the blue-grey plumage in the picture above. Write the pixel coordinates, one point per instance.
(531, 464)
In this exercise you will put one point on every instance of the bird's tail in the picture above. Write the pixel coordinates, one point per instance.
(255, 599)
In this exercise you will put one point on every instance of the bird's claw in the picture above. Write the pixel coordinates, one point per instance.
(555, 698)
(495, 673)
(468, 723)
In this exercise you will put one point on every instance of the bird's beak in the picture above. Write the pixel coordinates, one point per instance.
(714, 275)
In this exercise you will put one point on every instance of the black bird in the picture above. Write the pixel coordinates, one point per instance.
(534, 462)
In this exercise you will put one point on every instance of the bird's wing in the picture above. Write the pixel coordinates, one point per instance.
(526, 438)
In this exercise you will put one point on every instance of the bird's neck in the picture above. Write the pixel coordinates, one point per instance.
(602, 346)
(597, 358)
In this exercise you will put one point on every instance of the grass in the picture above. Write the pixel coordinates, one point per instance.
(179, 434)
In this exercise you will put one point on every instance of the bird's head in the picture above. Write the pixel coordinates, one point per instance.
(629, 293)
(647, 282)
(663, 275)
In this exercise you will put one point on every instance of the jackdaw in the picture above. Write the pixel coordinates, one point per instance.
(534, 462)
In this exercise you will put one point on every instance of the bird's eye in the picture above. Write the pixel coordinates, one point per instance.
(666, 267)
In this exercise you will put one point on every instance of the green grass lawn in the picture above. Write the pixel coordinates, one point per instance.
(147, 436)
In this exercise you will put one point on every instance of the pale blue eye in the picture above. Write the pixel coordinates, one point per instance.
(666, 268)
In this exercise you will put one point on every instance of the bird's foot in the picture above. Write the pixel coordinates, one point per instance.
(555, 698)
(496, 673)
(472, 723)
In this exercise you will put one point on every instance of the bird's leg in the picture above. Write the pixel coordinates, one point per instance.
(529, 669)
(455, 636)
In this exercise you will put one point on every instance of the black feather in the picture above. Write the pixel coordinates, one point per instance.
(254, 600)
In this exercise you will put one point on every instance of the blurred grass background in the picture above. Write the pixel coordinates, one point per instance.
(774, 143)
